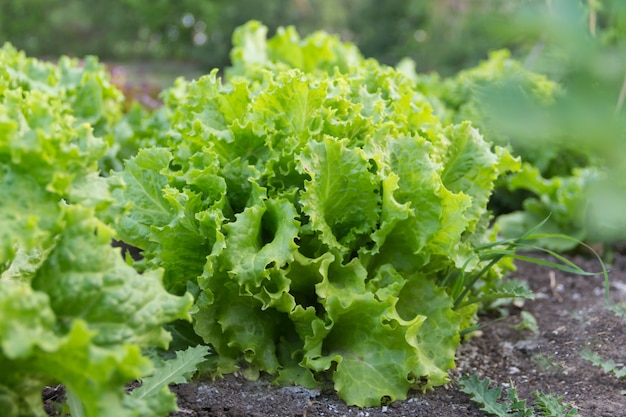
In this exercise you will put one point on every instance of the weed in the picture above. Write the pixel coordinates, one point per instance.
(607, 365)
(528, 322)
(546, 363)
(618, 309)
(547, 405)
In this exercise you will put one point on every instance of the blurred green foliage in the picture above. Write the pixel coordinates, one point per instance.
(117, 29)
(575, 140)
(187, 30)
(439, 35)
(442, 35)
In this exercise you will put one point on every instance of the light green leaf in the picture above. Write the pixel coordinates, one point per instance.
(471, 168)
(415, 207)
(42, 338)
(261, 239)
(564, 199)
(143, 185)
(27, 320)
(235, 325)
(96, 375)
(40, 136)
(182, 246)
(342, 198)
(249, 45)
(288, 110)
(89, 100)
(438, 337)
(374, 349)
(119, 304)
(29, 216)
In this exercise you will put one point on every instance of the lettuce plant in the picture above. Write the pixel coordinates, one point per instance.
(558, 173)
(512, 105)
(324, 217)
(73, 312)
(567, 173)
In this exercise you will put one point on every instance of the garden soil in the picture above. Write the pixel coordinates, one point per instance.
(571, 316)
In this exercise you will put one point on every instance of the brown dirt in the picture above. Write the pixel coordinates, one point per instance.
(571, 316)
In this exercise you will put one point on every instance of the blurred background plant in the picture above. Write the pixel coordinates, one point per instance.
(442, 35)
(569, 127)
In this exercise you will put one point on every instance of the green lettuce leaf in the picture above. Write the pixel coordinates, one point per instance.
(342, 198)
(319, 52)
(120, 305)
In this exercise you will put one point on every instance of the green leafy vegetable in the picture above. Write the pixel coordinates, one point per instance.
(557, 174)
(565, 199)
(565, 124)
(319, 205)
(73, 312)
